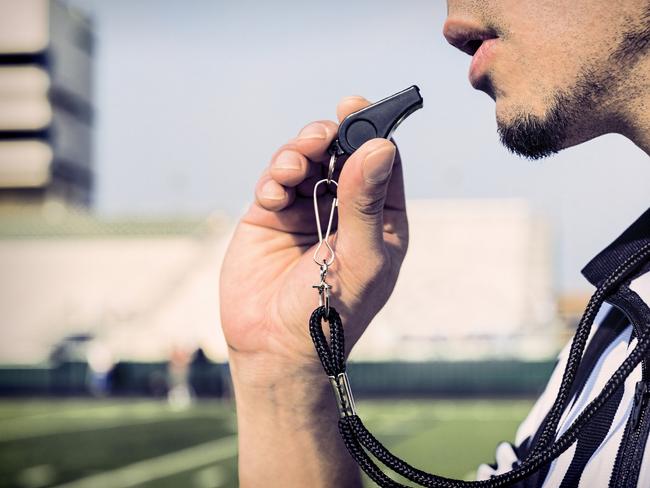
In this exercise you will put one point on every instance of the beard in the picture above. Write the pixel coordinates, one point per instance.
(571, 117)
(571, 114)
(535, 137)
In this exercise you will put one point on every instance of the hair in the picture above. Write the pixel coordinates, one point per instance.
(536, 137)
(635, 43)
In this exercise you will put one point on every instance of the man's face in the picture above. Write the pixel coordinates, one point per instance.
(556, 68)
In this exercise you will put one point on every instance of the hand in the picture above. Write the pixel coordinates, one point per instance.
(266, 280)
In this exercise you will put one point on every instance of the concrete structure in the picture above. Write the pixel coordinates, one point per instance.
(46, 101)
(139, 287)
(476, 284)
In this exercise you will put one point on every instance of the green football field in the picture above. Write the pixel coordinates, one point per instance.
(144, 443)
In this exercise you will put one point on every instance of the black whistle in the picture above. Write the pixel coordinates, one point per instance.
(377, 120)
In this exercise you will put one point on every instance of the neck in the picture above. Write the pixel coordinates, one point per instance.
(634, 112)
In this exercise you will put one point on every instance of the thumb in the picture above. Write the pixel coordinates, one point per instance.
(362, 193)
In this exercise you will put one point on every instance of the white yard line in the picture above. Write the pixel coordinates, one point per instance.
(26, 431)
(161, 466)
(63, 410)
(84, 420)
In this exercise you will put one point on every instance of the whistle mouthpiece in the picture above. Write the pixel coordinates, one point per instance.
(377, 120)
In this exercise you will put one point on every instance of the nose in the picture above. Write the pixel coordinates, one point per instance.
(466, 34)
(461, 35)
(450, 34)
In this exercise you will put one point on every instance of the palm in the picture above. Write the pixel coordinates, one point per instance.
(268, 272)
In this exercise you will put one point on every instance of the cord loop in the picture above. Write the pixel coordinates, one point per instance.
(358, 439)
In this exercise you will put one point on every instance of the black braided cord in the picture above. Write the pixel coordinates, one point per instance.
(362, 459)
(528, 466)
(332, 358)
(356, 437)
(579, 343)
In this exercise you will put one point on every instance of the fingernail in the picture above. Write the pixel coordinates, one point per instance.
(272, 191)
(288, 160)
(378, 164)
(313, 131)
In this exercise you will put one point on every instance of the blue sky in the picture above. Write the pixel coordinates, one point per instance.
(194, 97)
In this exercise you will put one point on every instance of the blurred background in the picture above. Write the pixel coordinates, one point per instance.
(131, 137)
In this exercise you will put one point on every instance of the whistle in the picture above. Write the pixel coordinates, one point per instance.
(377, 120)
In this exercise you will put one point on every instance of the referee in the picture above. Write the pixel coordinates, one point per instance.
(561, 72)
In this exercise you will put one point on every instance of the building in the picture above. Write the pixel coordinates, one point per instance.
(138, 287)
(46, 101)
(476, 284)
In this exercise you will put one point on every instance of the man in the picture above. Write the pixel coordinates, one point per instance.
(561, 72)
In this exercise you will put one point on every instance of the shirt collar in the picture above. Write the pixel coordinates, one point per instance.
(605, 262)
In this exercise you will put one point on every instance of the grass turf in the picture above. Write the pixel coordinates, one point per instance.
(50, 442)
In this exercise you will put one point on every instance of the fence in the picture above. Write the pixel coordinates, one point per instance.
(369, 379)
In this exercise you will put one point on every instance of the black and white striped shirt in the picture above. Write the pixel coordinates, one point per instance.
(611, 451)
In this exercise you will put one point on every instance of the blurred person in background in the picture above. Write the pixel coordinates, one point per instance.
(100, 364)
(180, 391)
(561, 72)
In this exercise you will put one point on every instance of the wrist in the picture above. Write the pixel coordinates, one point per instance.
(285, 405)
(259, 369)
(264, 377)
(287, 424)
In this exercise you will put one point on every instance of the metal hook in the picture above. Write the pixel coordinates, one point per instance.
(324, 289)
(330, 169)
(324, 239)
(324, 268)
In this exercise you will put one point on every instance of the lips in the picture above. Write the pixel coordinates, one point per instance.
(480, 61)
(476, 40)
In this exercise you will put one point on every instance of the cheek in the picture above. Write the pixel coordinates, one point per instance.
(524, 84)
(532, 66)
(548, 45)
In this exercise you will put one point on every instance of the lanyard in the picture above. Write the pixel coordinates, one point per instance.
(380, 120)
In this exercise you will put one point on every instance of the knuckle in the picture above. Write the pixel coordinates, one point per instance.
(405, 244)
(288, 147)
(370, 205)
(363, 276)
(329, 125)
(270, 195)
(318, 128)
(291, 159)
(380, 265)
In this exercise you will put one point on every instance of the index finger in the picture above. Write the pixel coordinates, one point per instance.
(349, 105)
(314, 140)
